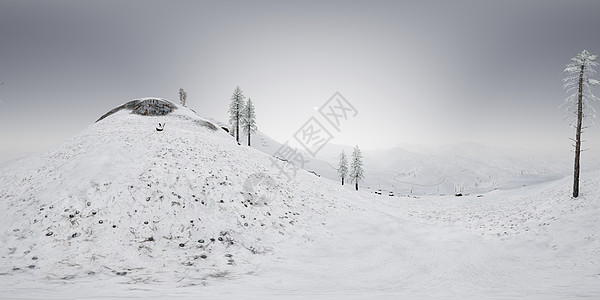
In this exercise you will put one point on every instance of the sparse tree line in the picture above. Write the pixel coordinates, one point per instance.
(356, 172)
(578, 85)
(578, 103)
(241, 115)
(242, 118)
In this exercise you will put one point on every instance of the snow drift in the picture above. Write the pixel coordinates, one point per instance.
(122, 199)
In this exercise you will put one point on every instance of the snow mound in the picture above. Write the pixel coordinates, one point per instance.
(124, 200)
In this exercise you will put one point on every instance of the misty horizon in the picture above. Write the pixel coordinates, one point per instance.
(424, 73)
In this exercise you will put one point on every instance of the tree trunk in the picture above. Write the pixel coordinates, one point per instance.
(356, 185)
(578, 134)
(342, 180)
(237, 129)
(248, 136)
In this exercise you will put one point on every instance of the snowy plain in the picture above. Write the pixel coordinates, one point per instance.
(162, 197)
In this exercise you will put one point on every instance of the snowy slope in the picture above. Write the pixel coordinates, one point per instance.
(324, 168)
(529, 243)
(8, 155)
(123, 199)
(273, 238)
(432, 247)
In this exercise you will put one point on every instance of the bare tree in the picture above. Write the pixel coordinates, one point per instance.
(578, 84)
(182, 96)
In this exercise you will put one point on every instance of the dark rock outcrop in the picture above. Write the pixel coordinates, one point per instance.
(145, 107)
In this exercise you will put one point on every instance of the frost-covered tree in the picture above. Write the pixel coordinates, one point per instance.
(356, 170)
(236, 109)
(182, 96)
(343, 166)
(578, 86)
(249, 119)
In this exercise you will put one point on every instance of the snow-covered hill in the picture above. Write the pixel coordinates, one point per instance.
(534, 242)
(124, 199)
(125, 211)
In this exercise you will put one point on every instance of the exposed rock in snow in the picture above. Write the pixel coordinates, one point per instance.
(144, 107)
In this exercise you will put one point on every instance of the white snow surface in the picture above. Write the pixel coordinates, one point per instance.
(124, 198)
(312, 239)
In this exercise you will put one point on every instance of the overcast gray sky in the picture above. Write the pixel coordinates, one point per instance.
(422, 72)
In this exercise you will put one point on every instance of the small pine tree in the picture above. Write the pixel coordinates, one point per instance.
(343, 167)
(356, 172)
(578, 85)
(236, 108)
(182, 96)
(249, 119)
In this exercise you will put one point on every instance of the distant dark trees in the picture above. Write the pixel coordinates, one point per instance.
(182, 96)
(578, 84)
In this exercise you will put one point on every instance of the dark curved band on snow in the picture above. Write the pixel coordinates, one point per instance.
(145, 107)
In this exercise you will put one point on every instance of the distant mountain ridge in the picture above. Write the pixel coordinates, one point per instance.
(461, 168)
